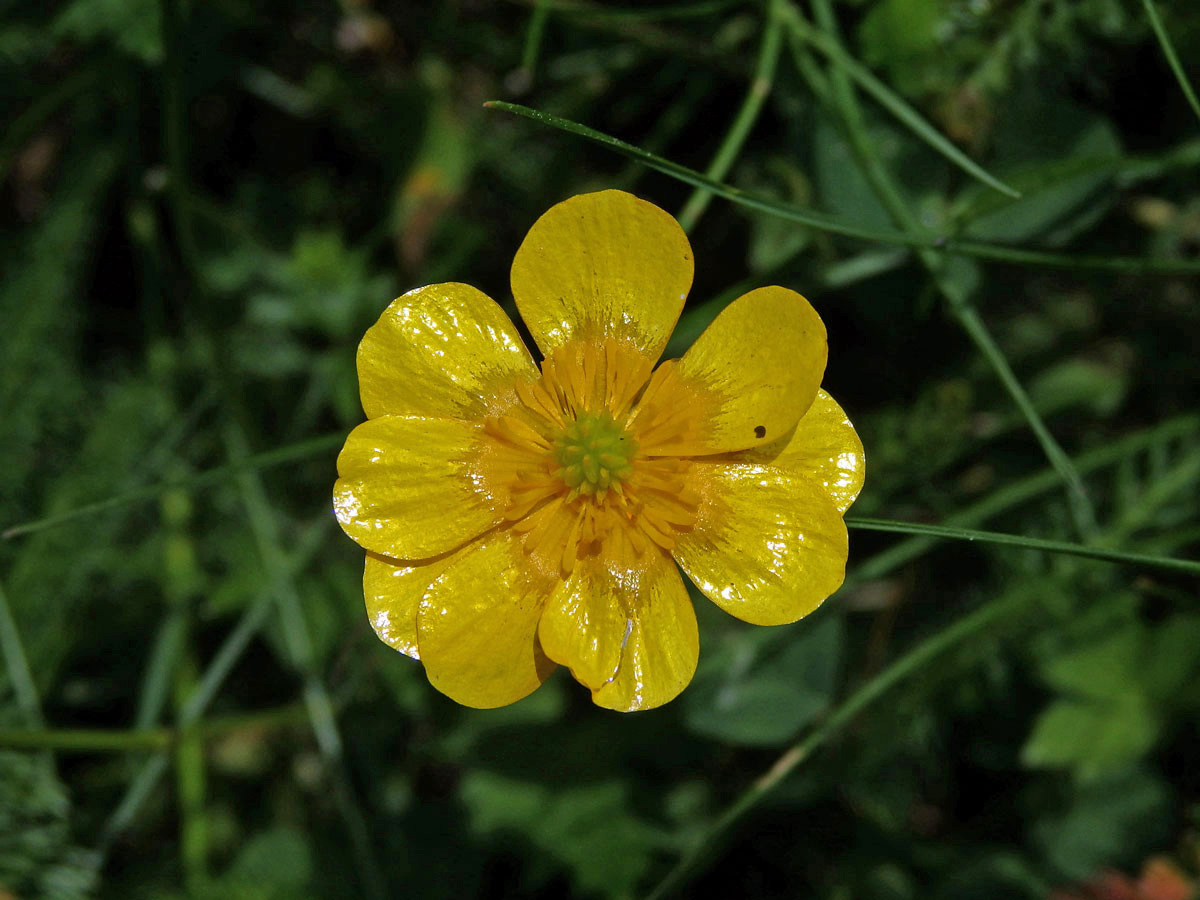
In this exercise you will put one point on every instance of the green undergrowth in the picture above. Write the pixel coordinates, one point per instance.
(994, 207)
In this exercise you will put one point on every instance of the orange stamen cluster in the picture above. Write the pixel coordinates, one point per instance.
(573, 460)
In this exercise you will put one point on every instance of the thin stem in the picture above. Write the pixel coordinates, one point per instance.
(1081, 504)
(209, 685)
(533, 38)
(747, 114)
(703, 851)
(1027, 543)
(140, 740)
(1026, 489)
(264, 525)
(287, 454)
(821, 222)
(889, 194)
(1168, 49)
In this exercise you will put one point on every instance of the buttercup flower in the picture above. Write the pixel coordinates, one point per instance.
(519, 515)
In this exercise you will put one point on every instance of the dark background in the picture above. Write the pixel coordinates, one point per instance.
(204, 205)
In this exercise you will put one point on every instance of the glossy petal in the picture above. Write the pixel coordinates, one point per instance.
(585, 621)
(393, 589)
(603, 265)
(823, 447)
(442, 350)
(768, 545)
(477, 625)
(406, 488)
(753, 372)
(659, 637)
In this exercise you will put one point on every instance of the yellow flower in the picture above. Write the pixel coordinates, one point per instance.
(518, 515)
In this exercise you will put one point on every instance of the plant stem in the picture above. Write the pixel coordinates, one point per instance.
(702, 852)
(747, 114)
(957, 299)
(790, 212)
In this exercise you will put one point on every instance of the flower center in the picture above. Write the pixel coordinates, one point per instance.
(572, 461)
(595, 452)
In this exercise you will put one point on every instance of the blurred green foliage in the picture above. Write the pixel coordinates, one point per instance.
(204, 205)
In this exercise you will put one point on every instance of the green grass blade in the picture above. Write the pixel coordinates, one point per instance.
(533, 40)
(1168, 50)
(845, 104)
(1081, 504)
(894, 104)
(290, 453)
(702, 852)
(1027, 543)
(699, 180)
(1135, 265)
(1026, 489)
(747, 114)
(236, 642)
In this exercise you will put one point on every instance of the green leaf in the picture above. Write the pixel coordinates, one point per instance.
(740, 699)
(133, 25)
(1079, 383)
(1105, 670)
(1040, 134)
(1092, 737)
(1118, 818)
(1172, 658)
(590, 830)
(273, 864)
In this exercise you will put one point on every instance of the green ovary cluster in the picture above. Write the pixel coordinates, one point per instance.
(595, 453)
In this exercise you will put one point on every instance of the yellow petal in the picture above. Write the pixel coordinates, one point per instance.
(442, 350)
(603, 265)
(393, 590)
(630, 636)
(768, 545)
(823, 447)
(584, 623)
(406, 488)
(477, 625)
(753, 372)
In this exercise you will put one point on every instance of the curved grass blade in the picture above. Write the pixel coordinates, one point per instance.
(1027, 543)
(747, 115)
(1168, 50)
(979, 249)
(702, 852)
(699, 180)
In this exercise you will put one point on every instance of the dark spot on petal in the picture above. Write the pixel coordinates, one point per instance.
(760, 431)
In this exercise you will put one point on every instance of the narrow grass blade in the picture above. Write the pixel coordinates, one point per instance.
(1027, 543)
(941, 243)
(1026, 489)
(702, 852)
(699, 180)
(747, 114)
(845, 103)
(290, 453)
(1168, 49)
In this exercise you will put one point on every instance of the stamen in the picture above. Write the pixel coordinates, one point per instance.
(574, 462)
